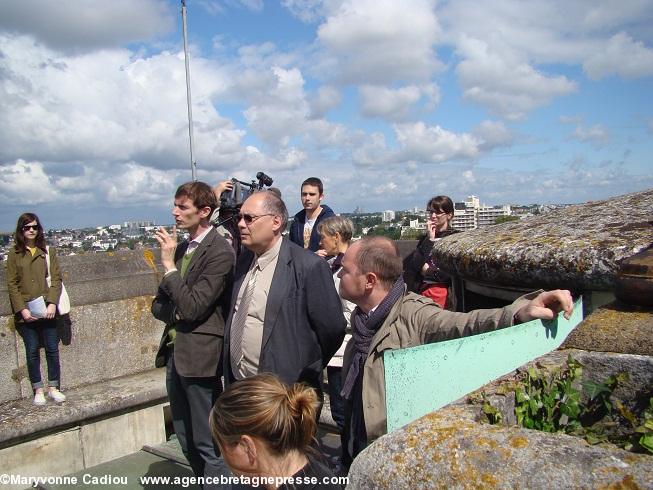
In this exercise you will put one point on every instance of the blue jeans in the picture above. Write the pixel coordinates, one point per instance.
(31, 333)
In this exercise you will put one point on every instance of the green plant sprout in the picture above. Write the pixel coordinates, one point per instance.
(554, 402)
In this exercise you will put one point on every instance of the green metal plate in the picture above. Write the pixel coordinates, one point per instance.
(422, 379)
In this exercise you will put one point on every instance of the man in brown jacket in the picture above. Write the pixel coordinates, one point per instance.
(388, 317)
(192, 301)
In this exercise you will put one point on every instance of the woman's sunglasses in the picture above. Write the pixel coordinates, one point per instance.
(30, 227)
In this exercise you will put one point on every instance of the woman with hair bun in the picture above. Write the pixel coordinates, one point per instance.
(266, 429)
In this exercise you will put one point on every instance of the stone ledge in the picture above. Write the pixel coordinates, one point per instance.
(21, 420)
(450, 448)
(446, 449)
(578, 247)
(615, 328)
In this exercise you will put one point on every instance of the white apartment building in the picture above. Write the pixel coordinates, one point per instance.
(417, 225)
(388, 215)
(472, 214)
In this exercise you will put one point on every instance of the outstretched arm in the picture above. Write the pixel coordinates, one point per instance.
(546, 306)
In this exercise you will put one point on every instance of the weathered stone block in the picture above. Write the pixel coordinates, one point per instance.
(577, 248)
(615, 328)
(447, 449)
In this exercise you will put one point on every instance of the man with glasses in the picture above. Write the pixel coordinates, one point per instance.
(285, 316)
(192, 301)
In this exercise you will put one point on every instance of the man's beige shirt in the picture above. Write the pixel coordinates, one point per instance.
(253, 331)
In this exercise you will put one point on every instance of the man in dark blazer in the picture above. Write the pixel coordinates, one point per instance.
(291, 322)
(192, 301)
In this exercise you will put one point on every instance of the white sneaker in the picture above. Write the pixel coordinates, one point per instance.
(39, 399)
(56, 395)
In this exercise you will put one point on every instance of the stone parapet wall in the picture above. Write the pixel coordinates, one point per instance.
(454, 447)
(99, 278)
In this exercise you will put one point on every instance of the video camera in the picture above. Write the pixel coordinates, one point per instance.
(242, 190)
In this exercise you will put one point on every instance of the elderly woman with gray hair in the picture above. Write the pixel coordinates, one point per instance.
(335, 237)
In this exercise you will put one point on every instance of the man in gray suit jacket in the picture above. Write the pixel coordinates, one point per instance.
(285, 316)
(192, 301)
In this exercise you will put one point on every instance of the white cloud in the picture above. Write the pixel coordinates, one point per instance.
(395, 104)
(87, 25)
(506, 48)
(570, 119)
(468, 176)
(212, 7)
(307, 11)
(327, 98)
(373, 152)
(508, 86)
(253, 5)
(380, 41)
(384, 189)
(595, 134)
(621, 55)
(282, 111)
(113, 185)
(492, 134)
(114, 106)
(433, 144)
(417, 143)
(26, 182)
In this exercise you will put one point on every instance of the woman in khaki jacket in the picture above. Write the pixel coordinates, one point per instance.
(35, 303)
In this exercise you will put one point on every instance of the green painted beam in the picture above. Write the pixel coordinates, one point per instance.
(422, 379)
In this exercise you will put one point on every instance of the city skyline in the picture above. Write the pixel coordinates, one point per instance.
(388, 102)
(151, 223)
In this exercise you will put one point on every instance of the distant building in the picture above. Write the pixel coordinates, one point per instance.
(137, 224)
(388, 215)
(472, 214)
(464, 217)
(104, 244)
(417, 225)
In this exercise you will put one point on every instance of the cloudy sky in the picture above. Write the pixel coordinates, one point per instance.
(389, 102)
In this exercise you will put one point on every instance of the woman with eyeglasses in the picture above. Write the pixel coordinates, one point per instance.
(421, 274)
(266, 431)
(35, 303)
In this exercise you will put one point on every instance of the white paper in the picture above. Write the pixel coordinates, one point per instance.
(37, 307)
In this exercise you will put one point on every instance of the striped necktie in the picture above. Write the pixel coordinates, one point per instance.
(239, 319)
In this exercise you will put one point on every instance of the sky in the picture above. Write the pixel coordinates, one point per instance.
(388, 102)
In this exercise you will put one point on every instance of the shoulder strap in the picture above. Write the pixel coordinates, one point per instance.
(47, 263)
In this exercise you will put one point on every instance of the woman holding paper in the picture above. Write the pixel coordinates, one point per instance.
(35, 303)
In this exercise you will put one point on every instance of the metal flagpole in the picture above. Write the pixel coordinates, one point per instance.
(193, 163)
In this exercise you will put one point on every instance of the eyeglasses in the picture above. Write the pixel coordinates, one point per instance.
(436, 213)
(250, 218)
(30, 227)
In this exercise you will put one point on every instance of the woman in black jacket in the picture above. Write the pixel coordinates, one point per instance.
(421, 274)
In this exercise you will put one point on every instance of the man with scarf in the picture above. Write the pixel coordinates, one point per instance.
(389, 317)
